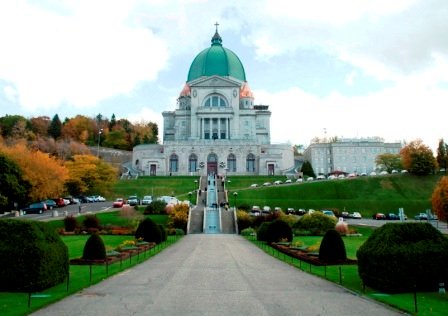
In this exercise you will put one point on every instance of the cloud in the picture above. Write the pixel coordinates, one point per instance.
(77, 59)
(390, 114)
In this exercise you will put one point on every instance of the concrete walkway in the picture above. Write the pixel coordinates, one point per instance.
(215, 275)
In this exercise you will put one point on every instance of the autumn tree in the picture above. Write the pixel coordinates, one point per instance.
(13, 187)
(389, 162)
(80, 128)
(418, 158)
(442, 155)
(8, 122)
(88, 174)
(116, 139)
(39, 125)
(439, 198)
(45, 174)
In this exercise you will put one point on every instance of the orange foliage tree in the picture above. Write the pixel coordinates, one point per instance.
(418, 158)
(439, 198)
(45, 174)
(178, 218)
(88, 174)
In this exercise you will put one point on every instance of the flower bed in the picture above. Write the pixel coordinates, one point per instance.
(308, 257)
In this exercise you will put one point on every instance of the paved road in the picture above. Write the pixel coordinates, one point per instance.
(215, 275)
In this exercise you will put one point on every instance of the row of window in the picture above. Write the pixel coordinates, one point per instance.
(193, 165)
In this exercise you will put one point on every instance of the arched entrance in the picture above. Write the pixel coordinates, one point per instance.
(212, 164)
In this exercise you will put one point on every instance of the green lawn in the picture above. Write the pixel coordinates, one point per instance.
(428, 303)
(15, 304)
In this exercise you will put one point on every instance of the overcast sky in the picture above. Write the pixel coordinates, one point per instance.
(347, 68)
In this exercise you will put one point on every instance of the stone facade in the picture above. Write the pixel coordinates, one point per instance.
(348, 155)
(216, 127)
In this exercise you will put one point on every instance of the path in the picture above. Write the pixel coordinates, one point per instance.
(215, 275)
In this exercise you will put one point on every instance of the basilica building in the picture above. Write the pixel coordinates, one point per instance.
(216, 127)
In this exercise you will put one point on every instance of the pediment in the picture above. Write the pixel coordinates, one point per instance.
(215, 82)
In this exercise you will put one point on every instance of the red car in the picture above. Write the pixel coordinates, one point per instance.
(379, 216)
(118, 203)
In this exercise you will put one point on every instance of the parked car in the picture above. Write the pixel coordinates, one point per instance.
(288, 181)
(329, 213)
(301, 211)
(392, 216)
(38, 208)
(51, 204)
(379, 216)
(277, 182)
(356, 215)
(147, 199)
(118, 203)
(266, 210)
(290, 210)
(255, 211)
(59, 202)
(267, 184)
(309, 179)
(320, 177)
(133, 200)
(299, 180)
(332, 177)
(254, 185)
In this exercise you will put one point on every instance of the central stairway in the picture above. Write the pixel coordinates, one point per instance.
(212, 215)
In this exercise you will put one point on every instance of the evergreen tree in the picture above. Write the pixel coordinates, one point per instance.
(307, 169)
(137, 140)
(113, 122)
(13, 188)
(55, 128)
(155, 133)
(442, 155)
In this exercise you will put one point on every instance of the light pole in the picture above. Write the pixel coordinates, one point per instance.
(99, 138)
(235, 194)
(189, 196)
(195, 185)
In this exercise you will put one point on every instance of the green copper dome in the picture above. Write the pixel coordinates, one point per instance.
(216, 60)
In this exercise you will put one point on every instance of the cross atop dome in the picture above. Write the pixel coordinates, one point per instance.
(216, 39)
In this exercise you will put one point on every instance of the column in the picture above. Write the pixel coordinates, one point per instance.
(202, 129)
(219, 128)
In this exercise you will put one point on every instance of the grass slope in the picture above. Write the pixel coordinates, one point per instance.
(365, 194)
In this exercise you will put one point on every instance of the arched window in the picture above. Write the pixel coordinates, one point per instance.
(174, 163)
(192, 163)
(215, 101)
(231, 163)
(250, 163)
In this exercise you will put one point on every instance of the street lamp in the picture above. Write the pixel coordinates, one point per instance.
(195, 185)
(99, 138)
(235, 194)
(189, 196)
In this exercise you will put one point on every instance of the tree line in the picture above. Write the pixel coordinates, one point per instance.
(60, 138)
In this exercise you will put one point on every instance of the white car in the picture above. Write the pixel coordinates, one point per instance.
(299, 180)
(266, 184)
(320, 177)
(278, 182)
(288, 181)
(356, 215)
(254, 185)
(147, 199)
(341, 176)
(309, 179)
(332, 177)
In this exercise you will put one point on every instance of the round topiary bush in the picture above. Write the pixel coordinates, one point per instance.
(91, 222)
(262, 230)
(94, 248)
(278, 230)
(148, 231)
(70, 223)
(332, 248)
(32, 256)
(399, 257)
(162, 232)
(317, 223)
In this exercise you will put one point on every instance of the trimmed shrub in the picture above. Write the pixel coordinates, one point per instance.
(91, 222)
(317, 223)
(262, 231)
(155, 207)
(243, 220)
(162, 232)
(94, 248)
(149, 231)
(248, 232)
(332, 248)
(32, 256)
(278, 230)
(70, 223)
(401, 257)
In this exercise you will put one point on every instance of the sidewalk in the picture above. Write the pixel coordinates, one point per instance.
(215, 275)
